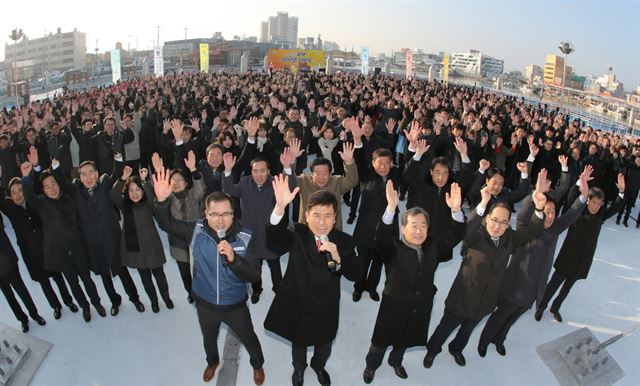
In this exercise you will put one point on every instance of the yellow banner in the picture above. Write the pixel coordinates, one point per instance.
(204, 57)
(296, 60)
(445, 69)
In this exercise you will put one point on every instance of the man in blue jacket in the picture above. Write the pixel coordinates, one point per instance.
(223, 261)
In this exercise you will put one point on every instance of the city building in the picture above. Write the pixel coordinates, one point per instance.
(531, 72)
(475, 63)
(330, 46)
(606, 84)
(58, 51)
(223, 53)
(553, 69)
(280, 29)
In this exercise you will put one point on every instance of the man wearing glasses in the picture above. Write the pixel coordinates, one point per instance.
(223, 261)
(486, 248)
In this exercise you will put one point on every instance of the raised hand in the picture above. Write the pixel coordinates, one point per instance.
(522, 167)
(166, 126)
(229, 161)
(584, 184)
(190, 161)
(294, 148)
(144, 173)
(347, 153)
(315, 132)
(161, 185)
(454, 199)
(392, 197)
(414, 133)
(195, 123)
(286, 158)
(252, 126)
(539, 200)
(156, 161)
(564, 161)
(533, 149)
(281, 191)
(391, 125)
(32, 157)
(422, 147)
(26, 168)
(542, 183)
(620, 184)
(126, 173)
(485, 193)
(176, 128)
(460, 145)
(484, 165)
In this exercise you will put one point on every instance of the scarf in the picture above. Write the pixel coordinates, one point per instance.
(132, 243)
(327, 146)
(260, 143)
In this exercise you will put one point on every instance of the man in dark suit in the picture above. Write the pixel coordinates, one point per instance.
(305, 309)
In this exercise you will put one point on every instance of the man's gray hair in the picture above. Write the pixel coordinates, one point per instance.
(413, 212)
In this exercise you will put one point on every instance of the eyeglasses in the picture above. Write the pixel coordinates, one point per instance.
(502, 223)
(219, 215)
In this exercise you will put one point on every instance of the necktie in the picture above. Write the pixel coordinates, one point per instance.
(318, 244)
(495, 241)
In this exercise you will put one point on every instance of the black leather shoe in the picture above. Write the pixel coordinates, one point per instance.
(374, 296)
(538, 314)
(357, 295)
(190, 300)
(115, 309)
(57, 313)
(155, 308)
(557, 316)
(625, 223)
(351, 219)
(25, 326)
(255, 296)
(40, 320)
(618, 221)
(428, 361)
(169, 304)
(139, 306)
(368, 375)
(482, 351)
(72, 307)
(86, 314)
(459, 358)
(323, 377)
(501, 349)
(638, 225)
(297, 379)
(400, 372)
(101, 311)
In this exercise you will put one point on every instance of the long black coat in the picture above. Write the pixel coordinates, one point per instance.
(28, 228)
(407, 299)
(306, 307)
(8, 257)
(478, 284)
(579, 247)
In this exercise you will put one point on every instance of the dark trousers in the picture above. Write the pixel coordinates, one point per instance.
(127, 283)
(185, 275)
(557, 279)
(276, 275)
(161, 281)
(12, 281)
(372, 270)
(73, 278)
(629, 201)
(319, 360)
(499, 323)
(50, 294)
(238, 320)
(353, 197)
(448, 323)
(376, 354)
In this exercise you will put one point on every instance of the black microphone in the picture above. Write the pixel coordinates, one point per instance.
(331, 264)
(221, 234)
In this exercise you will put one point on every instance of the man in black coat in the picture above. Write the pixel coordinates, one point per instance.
(474, 294)
(64, 249)
(108, 142)
(305, 310)
(576, 255)
(28, 228)
(408, 294)
(632, 181)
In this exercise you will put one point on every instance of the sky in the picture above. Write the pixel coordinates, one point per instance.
(519, 32)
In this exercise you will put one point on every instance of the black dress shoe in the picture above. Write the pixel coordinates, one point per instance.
(323, 377)
(368, 375)
(169, 304)
(255, 296)
(501, 349)
(351, 219)
(72, 307)
(618, 221)
(625, 223)
(538, 314)
(155, 308)
(190, 300)
(482, 351)
(25, 325)
(428, 361)
(115, 309)
(297, 379)
(57, 313)
(40, 320)
(356, 296)
(86, 314)
(139, 306)
(400, 372)
(374, 296)
(459, 358)
(101, 311)
(638, 225)
(557, 316)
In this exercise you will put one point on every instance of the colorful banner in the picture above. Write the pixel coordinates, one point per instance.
(295, 60)
(409, 72)
(204, 57)
(445, 69)
(158, 62)
(115, 65)
(364, 61)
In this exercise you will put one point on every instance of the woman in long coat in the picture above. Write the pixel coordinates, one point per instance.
(140, 245)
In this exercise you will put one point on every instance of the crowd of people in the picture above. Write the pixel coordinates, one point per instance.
(241, 169)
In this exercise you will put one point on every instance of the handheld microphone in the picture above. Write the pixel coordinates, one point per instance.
(331, 264)
(221, 234)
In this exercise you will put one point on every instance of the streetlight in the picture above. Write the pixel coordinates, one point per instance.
(16, 35)
(566, 47)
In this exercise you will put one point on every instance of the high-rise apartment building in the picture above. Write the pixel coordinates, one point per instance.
(280, 29)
